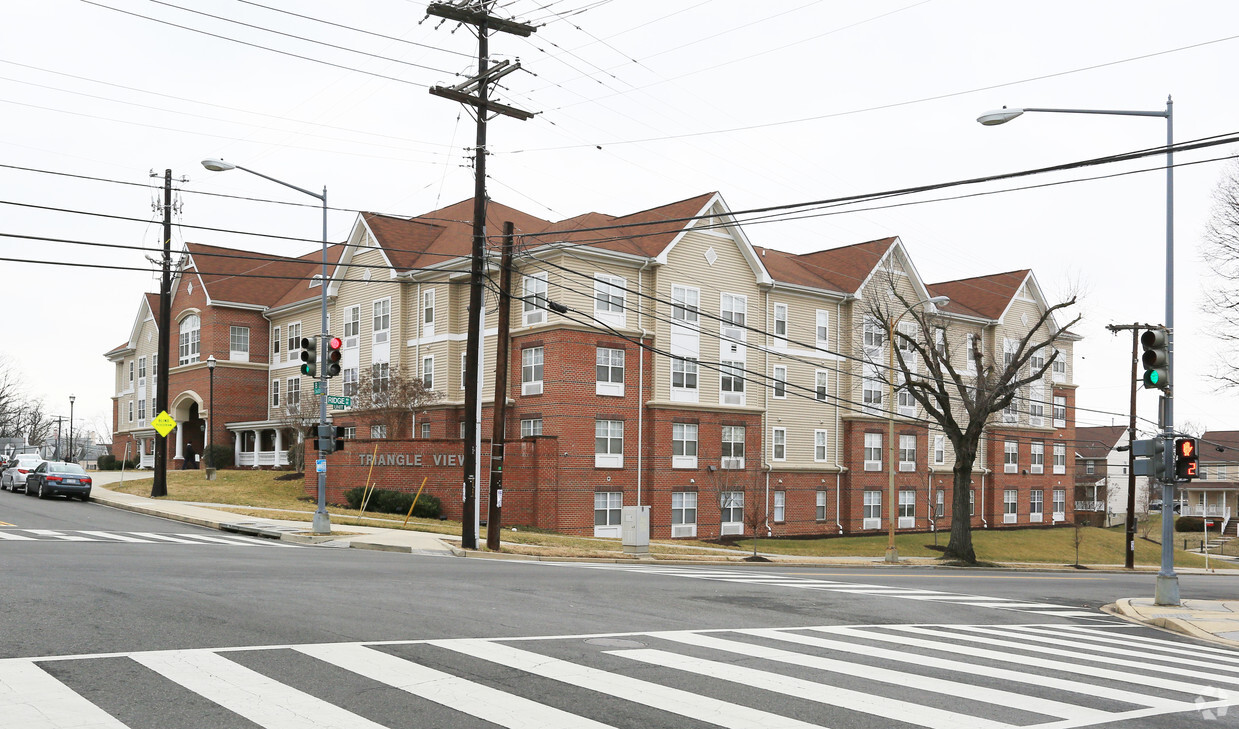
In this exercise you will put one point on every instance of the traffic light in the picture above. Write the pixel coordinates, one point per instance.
(1156, 359)
(1185, 462)
(331, 364)
(309, 356)
(338, 444)
(1150, 458)
(311, 438)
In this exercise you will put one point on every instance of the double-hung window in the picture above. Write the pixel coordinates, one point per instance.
(683, 514)
(820, 453)
(352, 325)
(820, 502)
(1036, 404)
(428, 313)
(350, 381)
(683, 379)
(292, 397)
(683, 445)
(1037, 457)
(610, 370)
(907, 452)
(939, 450)
(1060, 458)
(609, 294)
(823, 329)
(1010, 456)
(531, 371)
(780, 382)
(381, 320)
(428, 372)
(1058, 368)
(1010, 506)
(608, 506)
(608, 444)
(780, 506)
(531, 427)
(275, 345)
(1036, 505)
(293, 350)
(1060, 411)
(685, 305)
(733, 447)
(780, 325)
(533, 305)
(731, 383)
(1059, 505)
(873, 451)
(873, 510)
(275, 393)
(732, 516)
(239, 344)
(380, 377)
(778, 444)
(907, 509)
(821, 379)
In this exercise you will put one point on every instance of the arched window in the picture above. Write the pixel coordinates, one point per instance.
(191, 331)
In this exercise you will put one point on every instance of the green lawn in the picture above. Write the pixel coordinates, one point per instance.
(258, 493)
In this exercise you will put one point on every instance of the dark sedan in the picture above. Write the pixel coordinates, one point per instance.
(57, 477)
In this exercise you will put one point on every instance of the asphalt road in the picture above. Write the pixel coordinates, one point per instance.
(135, 621)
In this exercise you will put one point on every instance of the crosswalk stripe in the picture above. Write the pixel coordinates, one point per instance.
(873, 704)
(166, 538)
(1105, 636)
(117, 536)
(1006, 674)
(59, 535)
(1048, 640)
(468, 697)
(262, 700)
(673, 700)
(222, 540)
(966, 691)
(31, 698)
(15, 537)
(950, 643)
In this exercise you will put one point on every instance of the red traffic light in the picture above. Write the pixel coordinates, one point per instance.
(335, 343)
(333, 356)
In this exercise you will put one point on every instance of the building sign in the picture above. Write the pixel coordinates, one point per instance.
(411, 459)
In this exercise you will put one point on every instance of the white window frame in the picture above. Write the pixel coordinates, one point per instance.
(873, 451)
(352, 325)
(939, 449)
(428, 371)
(1010, 506)
(874, 335)
(731, 512)
(534, 298)
(780, 507)
(131, 411)
(425, 428)
(819, 502)
(1009, 348)
(532, 363)
(780, 382)
(683, 514)
(1058, 368)
(1059, 505)
(1011, 413)
(610, 299)
(970, 351)
(872, 510)
(731, 383)
(609, 371)
(531, 427)
(1036, 458)
(351, 377)
(685, 305)
(821, 443)
(378, 432)
(608, 443)
(940, 504)
(189, 340)
(872, 389)
(733, 446)
(142, 411)
(428, 313)
(275, 345)
(778, 444)
(380, 377)
(822, 330)
(141, 372)
(821, 385)
(684, 445)
(238, 335)
(780, 325)
(608, 509)
(380, 320)
(1060, 458)
(275, 393)
(907, 509)
(1036, 404)
(687, 372)
(734, 312)
(1036, 505)
(292, 352)
(1060, 411)
(292, 394)
(1010, 456)
(907, 452)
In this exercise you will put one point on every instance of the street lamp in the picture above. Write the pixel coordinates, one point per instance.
(322, 522)
(71, 457)
(1167, 589)
(892, 554)
(210, 465)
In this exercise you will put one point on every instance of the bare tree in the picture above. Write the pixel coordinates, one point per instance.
(961, 403)
(1221, 251)
(299, 417)
(388, 397)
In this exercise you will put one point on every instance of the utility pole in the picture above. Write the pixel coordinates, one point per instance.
(1130, 548)
(474, 93)
(497, 438)
(159, 487)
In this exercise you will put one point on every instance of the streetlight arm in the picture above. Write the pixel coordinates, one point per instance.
(1112, 112)
(222, 166)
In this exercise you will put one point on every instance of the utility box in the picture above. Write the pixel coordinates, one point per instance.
(635, 529)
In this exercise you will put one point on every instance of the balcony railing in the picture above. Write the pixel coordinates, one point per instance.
(1090, 506)
(263, 458)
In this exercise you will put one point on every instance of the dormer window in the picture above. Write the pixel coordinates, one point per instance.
(316, 280)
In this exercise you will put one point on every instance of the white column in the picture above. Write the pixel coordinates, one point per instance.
(257, 445)
(236, 448)
(180, 440)
(279, 440)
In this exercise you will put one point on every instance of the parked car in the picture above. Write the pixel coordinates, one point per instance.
(1157, 506)
(52, 478)
(19, 468)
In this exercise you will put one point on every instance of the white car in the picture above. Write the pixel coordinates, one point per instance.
(15, 475)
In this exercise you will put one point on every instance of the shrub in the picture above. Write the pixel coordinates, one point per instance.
(386, 501)
(221, 454)
(1189, 524)
(106, 462)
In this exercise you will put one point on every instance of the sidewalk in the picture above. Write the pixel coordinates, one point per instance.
(1213, 620)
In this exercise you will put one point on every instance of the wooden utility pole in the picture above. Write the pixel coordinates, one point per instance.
(474, 92)
(1130, 546)
(498, 432)
(159, 486)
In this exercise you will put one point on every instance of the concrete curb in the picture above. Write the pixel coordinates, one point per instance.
(1183, 626)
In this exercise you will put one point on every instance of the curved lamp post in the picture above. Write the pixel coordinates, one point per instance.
(1167, 588)
(72, 457)
(892, 554)
(322, 522)
(210, 464)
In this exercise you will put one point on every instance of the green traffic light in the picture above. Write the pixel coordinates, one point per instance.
(1153, 377)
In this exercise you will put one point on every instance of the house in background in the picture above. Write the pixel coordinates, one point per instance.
(1216, 492)
(1102, 475)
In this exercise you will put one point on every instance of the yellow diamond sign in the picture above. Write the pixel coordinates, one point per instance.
(163, 423)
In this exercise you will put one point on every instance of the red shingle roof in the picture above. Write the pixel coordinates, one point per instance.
(842, 269)
(1098, 441)
(984, 296)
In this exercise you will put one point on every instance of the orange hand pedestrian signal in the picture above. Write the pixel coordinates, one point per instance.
(1186, 464)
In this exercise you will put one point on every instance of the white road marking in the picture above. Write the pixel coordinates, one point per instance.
(30, 698)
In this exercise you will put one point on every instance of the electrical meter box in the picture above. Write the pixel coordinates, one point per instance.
(635, 529)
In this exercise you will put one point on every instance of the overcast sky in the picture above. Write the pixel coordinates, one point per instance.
(639, 103)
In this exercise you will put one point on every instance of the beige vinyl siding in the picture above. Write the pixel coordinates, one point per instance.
(800, 413)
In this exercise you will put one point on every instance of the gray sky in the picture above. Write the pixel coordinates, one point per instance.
(640, 103)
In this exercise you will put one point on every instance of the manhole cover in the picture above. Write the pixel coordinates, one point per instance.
(615, 643)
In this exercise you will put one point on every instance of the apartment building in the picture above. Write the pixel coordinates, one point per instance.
(728, 387)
